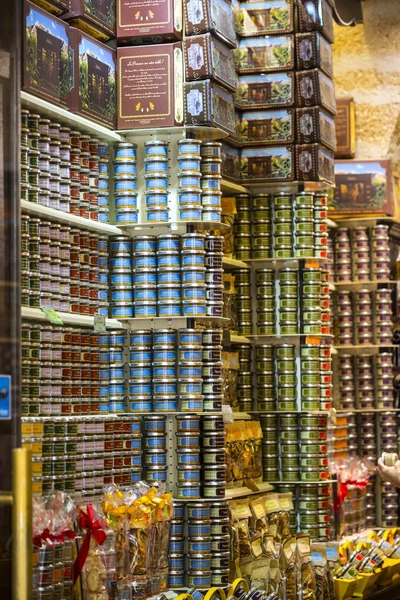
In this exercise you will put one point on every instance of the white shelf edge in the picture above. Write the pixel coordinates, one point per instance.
(72, 318)
(331, 224)
(234, 263)
(344, 411)
(64, 116)
(359, 285)
(231, 187)
(245, 491)
(239, 339)
(63, 217)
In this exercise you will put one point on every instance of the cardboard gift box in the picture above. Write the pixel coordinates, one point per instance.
(94, 92)
(55, 7)
(267, 165)
(264, 54)
(312, 52)
(314, 88)
(214, 16)
(230, 161)
(314, 163)
(208, 58)
(345, 128)
(267, 90)
(47, 69)
(264, 18)
(316, 15)
(150, 86)
(315, 125)
(267, 127)
(149, 21)
(94, 18)
(208, 104)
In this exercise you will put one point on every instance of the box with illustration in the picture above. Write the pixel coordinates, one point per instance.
(149, 21)
(267, 90)
(47, 56)
(267, 127)
(208, 58)
(230, 162)
(316, 15)
(267, 165)
(314, 88)
(150, 86)
(214, 16)
(314, 163)
(94, 18)
(94, 93)
(55, 7)
(264, 18)
(264, 54)
(312, 52)
(208, 104)
(315, 125)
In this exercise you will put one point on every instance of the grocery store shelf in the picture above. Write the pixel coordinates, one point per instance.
(245, 491)
(291, 187)
(119, 415)
(331, 224)
(228, 187)
(344, 411)
(361, 221)
(171, 227)
(283, 339)
(240, 339)
(199, 133)
(364, 348)
(63, 116)
(234, 264)
(302, 482)
(165, 322)
(274, 263)
(71, 318)
(317, 413)
(362, 285)
(64, 217)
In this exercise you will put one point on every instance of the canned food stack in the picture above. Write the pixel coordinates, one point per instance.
(380, 252)
(155, 469)
(100, 196)
(367, 440)
(270, 447)
(244, 378)
(125, 184)
(343, 255)
(53, 567)
(242, 239)
(266, 381)
(214, 462)
(331, 266)
(315, 500)
(262, 226)
(370, 500)
(220, 555)
(326, 312)
(321, 238)
(169, 291)
(286, 378)
(384, 316)
(344, 318)
(189, 177)
(210, 167)
(176, 556)
(112, 362)
(362, 255)
(190, 360)
(102, 272)
(390, 505)
(289, 444)
(288, 301)
(364, 328)
(311, 301)
(243, 289)
(141, 371)
(189, 458)
(214, 275)
(304, 225)
(266, 308)
(365, 381)
(283, 225)
(212, 389)
(352, 434)
(313, 449)
(120, 248)
(193, 274)
(164, 369)
(384, 380)
(199, 545)
(145, 276)
(347, 390)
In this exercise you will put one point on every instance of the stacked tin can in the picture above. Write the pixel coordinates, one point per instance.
(384, 375)
(311, 301)
(189, 176)
(121, 296)
(144, 265)
(344, 318)
(164, 372)
(380, 252)
(265, 372)
(321, 237)
(103, 272)
(243, 290)
(262, 226)
(220, 530)
(188, 456)
(245, 378)
(103, 192)
(343, 255)
(362, 255)
(313, 509)
(270, 447)
(283, 225)
(316, 378)
(157, 194)
(212, 389)
(242, 234)
(331, 257)
(266, 309)
(199, 544)
(288, 301)
(304, 225)
(325, 303)
(194, 287)
(364, 329)
(214, 275)
(125, 184)
(389, 505)
(140, 371)
(112, 362)
(169, 291)
(213, 456)
(384, 316)
(176, 556)
(190, 357)
(53, 570)
(85, 295)
(155, 469)
(211, 180)
(346, 380)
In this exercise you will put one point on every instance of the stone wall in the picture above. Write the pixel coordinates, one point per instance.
(367, 67)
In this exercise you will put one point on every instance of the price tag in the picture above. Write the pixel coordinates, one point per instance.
(312, 264)
(51, 315)
(99, 322)
(227, 414)
(313, 341)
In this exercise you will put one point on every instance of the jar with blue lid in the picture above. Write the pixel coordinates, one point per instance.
(191, 213)
(126, 201)
(211, 200)
(103, 406)
(120, 245)
(124, 184)
(194, 404)
(116, 389)
(176, 561)
(144, 260)
(145, 311)
(154, 200)
(121, 280)
(117, 373)
(104, 374)
(155, 423)
(194, 292)
(176, 543)
(125, 151)
(124, 168)
(103, 186)
(168, 261)
(193, 309)
(179, 509)
(154, 440)
(145, 278)
(187, 440)
(102, 244)
(189, 163)
(199, 511)
(126, 217)
(103, 295)
(155, 475)
(168, 277)
(156, 181)
(212, 214)
(188, 353)
(172, 293)
(177, 527)
(118, 295)
(192, 259)
(188, 457)
(189, 197)
(156, 164)
(116, 406)
(141, 405)
(144, 244)
(168, 243)
(122, 311)
(156, 148)
(189, 146)
(190, 275)
(136, 460)
(116, 338)
(121, 263)
(103, 202)
(176, 578)
(188, 490)
(199, 544)
(188, 423)
(189, 473)
(191, 337)
(164, 337)
(145, 295)
(141, 337)
(164, 354)
(191, 387)
(211, 182)
(158, 214)
(103, 390)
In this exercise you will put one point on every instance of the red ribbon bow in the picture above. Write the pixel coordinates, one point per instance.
(344, 489)
(93, 527)
(51, 539)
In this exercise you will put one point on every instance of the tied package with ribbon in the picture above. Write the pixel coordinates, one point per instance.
(243, 453)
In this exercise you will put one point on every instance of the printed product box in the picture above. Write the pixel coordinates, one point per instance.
(230, 162)
(215, 16)
(315, 125)
(150, 86)
(265, 90)
(313, 51)
(264, 18)
(94, 17)
(94, 93)
(316, 15)
(345, 122)
(263, 54)
(267, 127)
(267, 165)
(206, 103)
(365, 187)
(314, 88)
(47, 69)
(55, 7)
(208, 58)
(314, 163)
(149, 21)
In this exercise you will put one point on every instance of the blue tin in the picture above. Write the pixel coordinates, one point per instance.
(176, 544)
(103, 261)
(169, 243)
(140, 389)
(104, 407)
(199, 528)
(155, 440)
(121, 262)
(103, 185)
(169, 310)
(116, 339)
(102, 295)
(119, 296)
(188, 458)
(199, 563)
(116, 356)
(141, 406)
(103, 310)
(124, 168)
(188, 372)
(117, 389)
(189, 179)
(194, 293)
(191, 355)
(120, 279)
(188, 424)
(104, 357)
(194, 310)
(117, 374)
(199, 511)
(125, 150)
(126, 217)
(140, 338)
(142, 355)
(189, 147)
(116, 407)
(147, 278)
(156, 183)
(199, 545)
(189, 163)
(103, 166)
(169, 293)
(164, 372)
(192, 213)
(141, 372)
(136, 476)
(191, 337)
(187, 198)
(156, 165)
(103, 217)
(179, 510)
(103, 278)
(104, 374)
(164, 337)
(192, 404)
(188, 490)
(192, 475)
(145, 295)
(193, 241)
(168, 261)
(177, 527)
(176, 580)
(103, 340)
(155, 474)
(211, 182)
(156, 460)
(187, 441)
(136, 426)
(144, 244)
(155, 424)
(211, 200)
(212, 215)
(102, 149)
(165, 405)
(164, 389)
(128, 201)
(192, 276)
(176, 562)
(169, 277)
(211, 167)
(158, 215)
(102, 244)
(136, 443)
(127, 184)
(193, 260)
(144, 261)
(164, 354)
(145, 311)
(153, 200)
(102, 201)
(103, 390)
(156, 148)
(191, 389)
(122, 312)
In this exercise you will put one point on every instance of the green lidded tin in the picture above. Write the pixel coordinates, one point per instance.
(312, 435)
(312, 328)
(268, 420)
(304, 227)
(270, 474)
(310, 378)
(290, 461)
(311, 503)
(283, 227)
(283, 253)
(291, 475)
(289, 434)
(242, 228)
(304, 241)
(288, 276)
(311, 405)
(310, 365)
(287, 378)
(285, 351)
(242, 254)
(314, 461)
(265, 330)
(264, 351)
(242, 201)
(262, 228)
(264, 253)
(282, 199)
(265, 366)
(267, 405)
(270, 434)
(243, 241)
(266, 290)
(261, 214)
(289, 303)
(289, 420)
(289, 447)
(311, 303)
(287, 404)
(304, 212)
(313, 447)
(311, 474)
(304, 199)
(309, 351)
(283, 214)
(266, 392)
(289, 290)
(311, 392)
(262, 201)
(282, 241)
(286, 391)
(265, 276)
(286, 364)
(288, 317)
(312, 275)
(266, 379)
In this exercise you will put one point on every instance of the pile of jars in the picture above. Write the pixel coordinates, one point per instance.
(243, 291)
(245, 378)
(214, 275)
(354, 315)
(211, 180)
(112, 371)
(189, 177)
(366, 381)
(155, 462)
(53, 570)
(125, 194)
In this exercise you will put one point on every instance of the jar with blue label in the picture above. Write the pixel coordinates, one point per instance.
(211, 200)
(145, 295)
(176, 561)
(164, 337)
(102, 201)
(116, 389)
(211, 182)
(169, 308)
(199, 511)
(189, 197)
(177, 527)
(103, 278)
(190, 275)
(140, 355)
(136, 475)
(189, 146)
(103, 217)
(103, 186)
(122, 311)
(213, 214)
(136, 460)
(154, 440)
(168, 243)
(141, 405)
(156, 200)
(164, 389)
(156, 182)
(191, 337)
(144, 260)
(124, 184)
(193, 242)
(154, 476)
(191, 387)
(176, 578)
(176, 543)
(145, 278)
(120, 245)
(201, 579)
(117, 373)
(155, 423)
(199, 545)
(199, 562)
(125, 151)
(193, 309)
(190, 353)
(168, 277)
(187, 440)
(126, 216)
(103, 295)
(199, 528)
(118, 295)
(164, 371)
(189, 163)
(188, 457)
(194, 292)
(156, 165)
(188, 423)
(164, 404)
(189, 179)
(179, 509)
(189, 473)
(168, 261)
(193, 259)
(140, 388)
(116, 406)
(146, 311)
(156, 148)
(211, 166)
(172, 293)
(141, 338)
(193, 370)
(126, 202)
(191, 213)
(144, 244)
(192, 404)
(159, 214)
(103, 406)
(124, 168)
(104, 390)
(104, 374)
(121, 263)
(116, 356)
(121, 280)
(188, 489)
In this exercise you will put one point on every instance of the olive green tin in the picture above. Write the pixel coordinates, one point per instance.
(310, 378)
(312, 435)
(309, 351)
(288, 421)
(262, 241)
(289, 329)
(266, 405)
(310, 365)
(289, 447)
(304, 212)
(311, 405)
(266, 290)
(312, 328)
(288, 364)
(289, 303)
(304, 240)
(291, 475)
(290, 461)
(266, 379)
(242, 254)
(311, 504)
(313, 447)
(286, 391)
(283, 228)
(265, 276)
(243, 303)
(304, 199)
(268, 420)
(282, 199)
(311, 302)
(266, 392)
(285, 351)
(265, 329)
(265, 365)
(289, 434)
(288, 276)
(242, 228)
(262, 201)
(287, 378)
(283, 253)
(311, 392)
(314, 461)
(305, 227)
(265, 303)
(264, 351)
(262, 253)
(287, 404)
(289, 290)
(270, 434)
(245, 378)
(311, 474)
(283, 214)
(282, 241)
(261, 214)
(262, 228)
(270, 474)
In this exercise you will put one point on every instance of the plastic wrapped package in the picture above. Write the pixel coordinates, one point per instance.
(243, 448)
(306, 583)
(230, 367)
